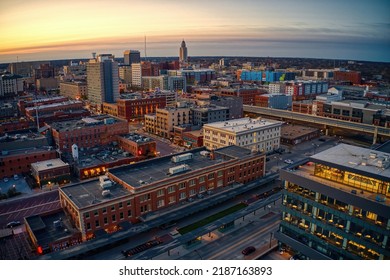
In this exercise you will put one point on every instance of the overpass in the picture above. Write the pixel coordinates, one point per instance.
(326, 122)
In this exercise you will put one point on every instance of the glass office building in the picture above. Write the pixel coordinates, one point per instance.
(336, 205)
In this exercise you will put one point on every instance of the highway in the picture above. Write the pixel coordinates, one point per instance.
(360, 127)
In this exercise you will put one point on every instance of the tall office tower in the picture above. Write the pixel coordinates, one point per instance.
(183, 56)
(136, 74)
(335, 204)
(131, 56)
(103, 80)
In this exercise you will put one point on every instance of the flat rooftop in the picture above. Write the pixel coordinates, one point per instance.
(46, 232)
(295, 131)
(88, 193)
(362, 160)
(151, 171)
(48, 164)
(26, 151)
(84, 122)
(243, 124)
(54, 105)
(99, 156)
(210, 108)
(137, 138)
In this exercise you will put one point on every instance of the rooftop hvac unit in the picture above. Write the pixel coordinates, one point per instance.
(204, 153)
(106, 193)
(183, 157)
(178, 169)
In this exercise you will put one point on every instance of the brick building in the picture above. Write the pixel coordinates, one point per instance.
(19, 161)
(50, 172)
(353, 77)
(87, 132)
(137, 145)
(136, 109)
(129, 192)
(247, 94)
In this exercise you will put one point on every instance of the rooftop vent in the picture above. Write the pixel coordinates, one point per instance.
(373, 155)
(106, 193)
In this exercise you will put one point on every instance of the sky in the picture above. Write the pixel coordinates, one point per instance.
(335, 29)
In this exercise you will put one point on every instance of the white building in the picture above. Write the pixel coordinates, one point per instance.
(103, 79)
(136, 74)
(261, 135)
(10, 85)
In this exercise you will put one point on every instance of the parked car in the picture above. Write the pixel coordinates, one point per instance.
(288, 161)
(248, 250)
(13, 224)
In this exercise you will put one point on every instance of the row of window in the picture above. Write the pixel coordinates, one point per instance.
(104, 210)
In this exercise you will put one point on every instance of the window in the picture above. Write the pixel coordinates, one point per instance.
(160, 193)
(144, 197)
(120, 204)
(182, 186)
(128, 213)
(113, 208)
(97, 224)
(144, 208)
(105, 220)
(192, 192)
(128, 203)
(192, 182)
(87, 215)
(121, 215)
(220, 173)
(171, 189)
(113, 218)
(201, 179)
(160, 203)
(219, 183)
(104, 210)
(172, 199)
(210, 176)
(182, 195)
(96, 213)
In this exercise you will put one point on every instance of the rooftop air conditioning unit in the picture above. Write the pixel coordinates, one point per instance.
(106, 193)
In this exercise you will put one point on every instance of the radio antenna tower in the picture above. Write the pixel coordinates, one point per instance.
(145, 48)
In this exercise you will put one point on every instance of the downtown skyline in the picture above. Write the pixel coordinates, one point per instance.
(46, 30)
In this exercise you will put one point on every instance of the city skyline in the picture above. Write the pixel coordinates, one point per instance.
(43, 30)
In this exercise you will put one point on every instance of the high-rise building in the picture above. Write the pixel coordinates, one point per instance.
(335, 204)
(131, 56)
(183, 56)
(103, 80)
(136, 74)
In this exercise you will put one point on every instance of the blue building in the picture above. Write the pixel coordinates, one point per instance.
(267, 76)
